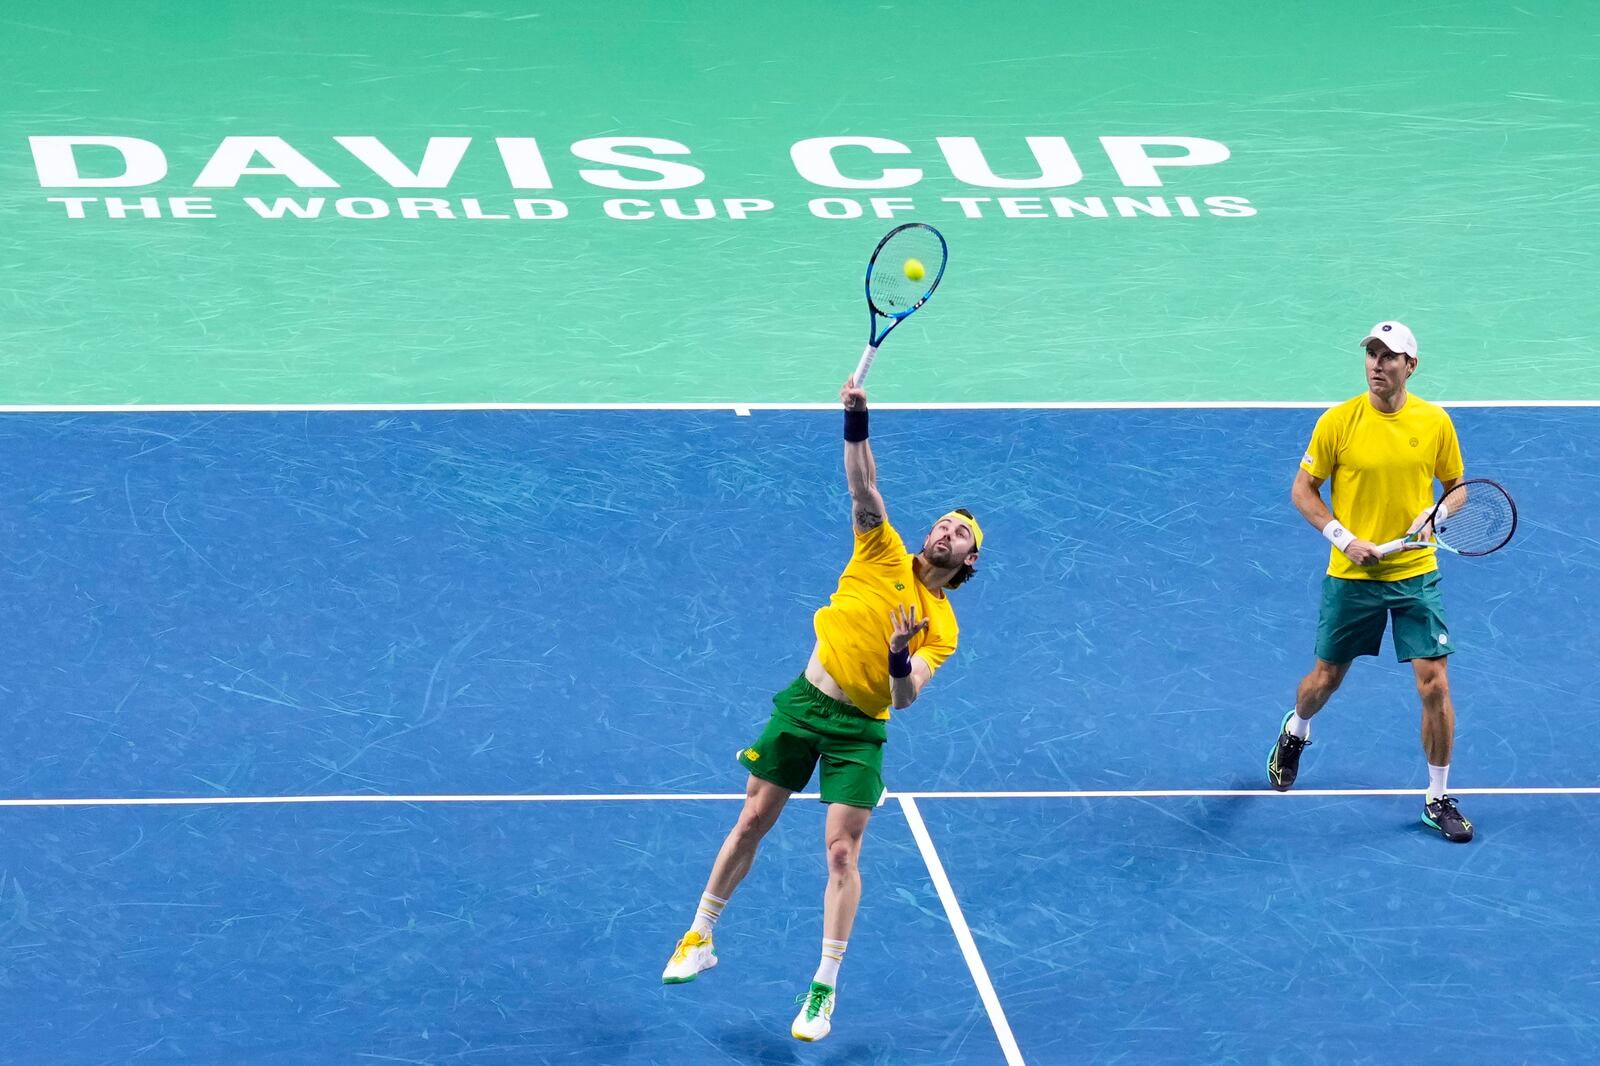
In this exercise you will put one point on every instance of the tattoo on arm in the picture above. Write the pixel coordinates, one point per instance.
(868, 518)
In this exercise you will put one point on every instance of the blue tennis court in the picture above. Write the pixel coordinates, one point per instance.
(423, 464)
(408, 736)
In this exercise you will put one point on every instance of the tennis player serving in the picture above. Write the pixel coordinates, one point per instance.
(888, 627)
(1382, 452)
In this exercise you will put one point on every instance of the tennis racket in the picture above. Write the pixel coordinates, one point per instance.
(1474, 518)
(891, 294)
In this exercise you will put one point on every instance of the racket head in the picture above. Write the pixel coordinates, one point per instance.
(891, 295)
(1480, 517)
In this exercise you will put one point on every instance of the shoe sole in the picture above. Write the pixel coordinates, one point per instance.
(1431, 824)
(691, 977)
(1272, 778)
(810, 1039)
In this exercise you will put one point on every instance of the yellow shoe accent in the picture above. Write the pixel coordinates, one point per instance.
(693, 955)
(690, 940)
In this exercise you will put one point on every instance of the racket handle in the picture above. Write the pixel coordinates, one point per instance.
(1390, 547)
(860, 376)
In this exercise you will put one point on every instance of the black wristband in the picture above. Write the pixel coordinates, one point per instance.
(900, 663)
(855, 425)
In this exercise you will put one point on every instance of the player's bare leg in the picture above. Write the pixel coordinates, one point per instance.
(1438, 740)
(1438, 711)
(763, 803)
(1283, 766)
(1317, 687)
(845, 828)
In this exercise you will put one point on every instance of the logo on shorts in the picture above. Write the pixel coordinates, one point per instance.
(752, 754)
(1444, 638)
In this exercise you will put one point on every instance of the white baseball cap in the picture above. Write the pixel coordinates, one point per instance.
(1396, 336)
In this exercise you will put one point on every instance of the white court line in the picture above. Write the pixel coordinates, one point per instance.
(515, 797)
(1182, 793)
(664, 797)
(734, 406)
(958, 923)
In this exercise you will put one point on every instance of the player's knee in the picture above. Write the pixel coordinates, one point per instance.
(753, 824)
(1433, 686)
(842, 854)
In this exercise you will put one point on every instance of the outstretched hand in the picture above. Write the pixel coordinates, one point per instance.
(906, 626)
(853, 398)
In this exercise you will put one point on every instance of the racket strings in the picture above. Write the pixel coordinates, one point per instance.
(1480, 523)
(893, 293)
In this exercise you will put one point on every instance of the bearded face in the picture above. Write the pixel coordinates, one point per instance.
(948, 544)
(940, 555)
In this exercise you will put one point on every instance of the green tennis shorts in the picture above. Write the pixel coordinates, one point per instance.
(808, 727)
(1353, 614)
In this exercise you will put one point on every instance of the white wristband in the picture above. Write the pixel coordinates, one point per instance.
(1337, 534)
(1440, 513)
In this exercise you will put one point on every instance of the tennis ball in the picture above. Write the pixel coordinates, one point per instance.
(914, 269)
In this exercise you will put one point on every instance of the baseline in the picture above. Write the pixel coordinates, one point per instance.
(664, 797)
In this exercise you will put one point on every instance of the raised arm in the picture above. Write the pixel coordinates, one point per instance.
(860, 471)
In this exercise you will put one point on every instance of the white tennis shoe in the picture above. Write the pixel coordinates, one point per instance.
(694, 954)
(815, 1019)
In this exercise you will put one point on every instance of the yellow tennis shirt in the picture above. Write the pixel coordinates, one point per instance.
(1382, 468)
(853, 630)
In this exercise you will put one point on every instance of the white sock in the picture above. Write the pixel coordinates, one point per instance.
(1436, 776)
(832, 955)
(1299, 727)
(706, 915)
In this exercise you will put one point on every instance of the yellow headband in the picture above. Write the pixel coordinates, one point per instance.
(972, 523)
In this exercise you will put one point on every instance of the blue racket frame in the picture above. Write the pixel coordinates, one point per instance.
(893, 319)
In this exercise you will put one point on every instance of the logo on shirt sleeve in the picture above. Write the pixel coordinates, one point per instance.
(1308, 461)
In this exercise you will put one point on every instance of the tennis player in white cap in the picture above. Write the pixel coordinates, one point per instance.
(1382, 451)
